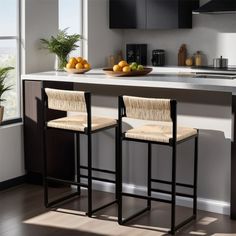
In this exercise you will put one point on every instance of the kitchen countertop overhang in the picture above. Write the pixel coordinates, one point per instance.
(172, 80)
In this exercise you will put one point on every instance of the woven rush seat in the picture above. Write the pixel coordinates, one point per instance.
(159, 133)
(79, 123)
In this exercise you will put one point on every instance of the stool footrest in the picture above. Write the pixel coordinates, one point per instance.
(169, 183)
(62, 199)
(99, 179)
(104, 206)
(66, 182)
(121, 222)
(146, 197)
(169, 193)
(99, 170)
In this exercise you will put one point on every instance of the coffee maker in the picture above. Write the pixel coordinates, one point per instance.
(136, 53)
(158, 57)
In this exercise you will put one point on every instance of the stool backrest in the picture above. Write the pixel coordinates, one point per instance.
(65, 100)
(147, 108)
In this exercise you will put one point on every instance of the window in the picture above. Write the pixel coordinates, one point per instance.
(9, 55)
(70, 16)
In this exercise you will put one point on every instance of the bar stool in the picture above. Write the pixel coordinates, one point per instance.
(168, 134)
(84, 123)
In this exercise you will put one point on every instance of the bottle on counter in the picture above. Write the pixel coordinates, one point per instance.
(111, 61)
(198, 59)
(119, 56)
(182, 55)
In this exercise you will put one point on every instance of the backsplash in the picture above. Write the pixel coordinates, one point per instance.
(214, 35)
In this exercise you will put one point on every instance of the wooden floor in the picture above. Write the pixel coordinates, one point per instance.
(22, 214)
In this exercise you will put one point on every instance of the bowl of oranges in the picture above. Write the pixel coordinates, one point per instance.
(123, 68)
(77, 65)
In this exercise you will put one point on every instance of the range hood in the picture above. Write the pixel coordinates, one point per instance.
(218, 7)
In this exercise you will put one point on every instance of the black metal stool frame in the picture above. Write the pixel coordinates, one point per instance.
(173, 144)
(88, 132)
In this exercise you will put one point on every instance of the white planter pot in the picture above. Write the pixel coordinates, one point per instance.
(1, 113)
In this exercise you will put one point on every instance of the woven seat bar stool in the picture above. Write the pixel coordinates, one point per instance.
(167, 133)
(85, 124)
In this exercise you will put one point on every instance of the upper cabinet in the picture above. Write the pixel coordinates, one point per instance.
(151, 14)
(127, 14)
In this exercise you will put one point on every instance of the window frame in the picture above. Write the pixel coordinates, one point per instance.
(17, 38)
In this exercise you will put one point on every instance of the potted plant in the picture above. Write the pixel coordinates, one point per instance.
(61, 45)
(3, 87)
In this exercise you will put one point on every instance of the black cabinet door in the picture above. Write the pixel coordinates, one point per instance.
(185, 12)
(127, 14)
(162, 14)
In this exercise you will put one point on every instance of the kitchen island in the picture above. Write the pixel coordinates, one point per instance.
(206, 104)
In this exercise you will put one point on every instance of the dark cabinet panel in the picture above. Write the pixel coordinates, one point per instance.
(186, 7)
(162, 14)
(127, 14)
(152, 14)
(60, 146)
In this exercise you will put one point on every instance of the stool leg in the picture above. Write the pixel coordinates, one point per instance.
(117, 161)
(195, 177)
(120, 218)
(77, 139)
(45, 184)
(173, 189)
(89, 174)
(149, 183)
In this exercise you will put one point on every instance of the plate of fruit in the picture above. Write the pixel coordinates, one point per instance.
(77, 65)
(125, 69)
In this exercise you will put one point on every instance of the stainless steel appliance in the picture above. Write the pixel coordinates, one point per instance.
(215, 73)
(136, 53)
(158, 57)
(220, 62)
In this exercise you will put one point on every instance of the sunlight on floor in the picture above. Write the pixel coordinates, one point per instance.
(207, 220)
(197, 233)
(151, 228)
(223, 234)
(75, 220)
(73, 212)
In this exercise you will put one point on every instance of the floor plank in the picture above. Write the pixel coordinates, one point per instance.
(22, 214)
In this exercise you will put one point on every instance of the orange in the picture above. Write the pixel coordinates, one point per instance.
(117, 68)
(126, 69)
(84, 61)
(79, 59)
(123, 64)
(70, 66)
(73, 61)
(79, 66)
(87, 66)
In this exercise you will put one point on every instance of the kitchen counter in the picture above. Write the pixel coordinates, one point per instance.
(206, 104)
(183, 79)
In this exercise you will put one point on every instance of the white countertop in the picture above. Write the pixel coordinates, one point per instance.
(166, 77)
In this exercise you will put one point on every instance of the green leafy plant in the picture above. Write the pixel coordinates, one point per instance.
(3, 87)
(61, 45)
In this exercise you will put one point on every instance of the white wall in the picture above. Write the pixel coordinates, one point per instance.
(214, 35)
(102, 41)
(11, 152)
(39, 20)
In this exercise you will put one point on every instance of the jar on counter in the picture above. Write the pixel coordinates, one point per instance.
(198, 59)
(111, 61)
